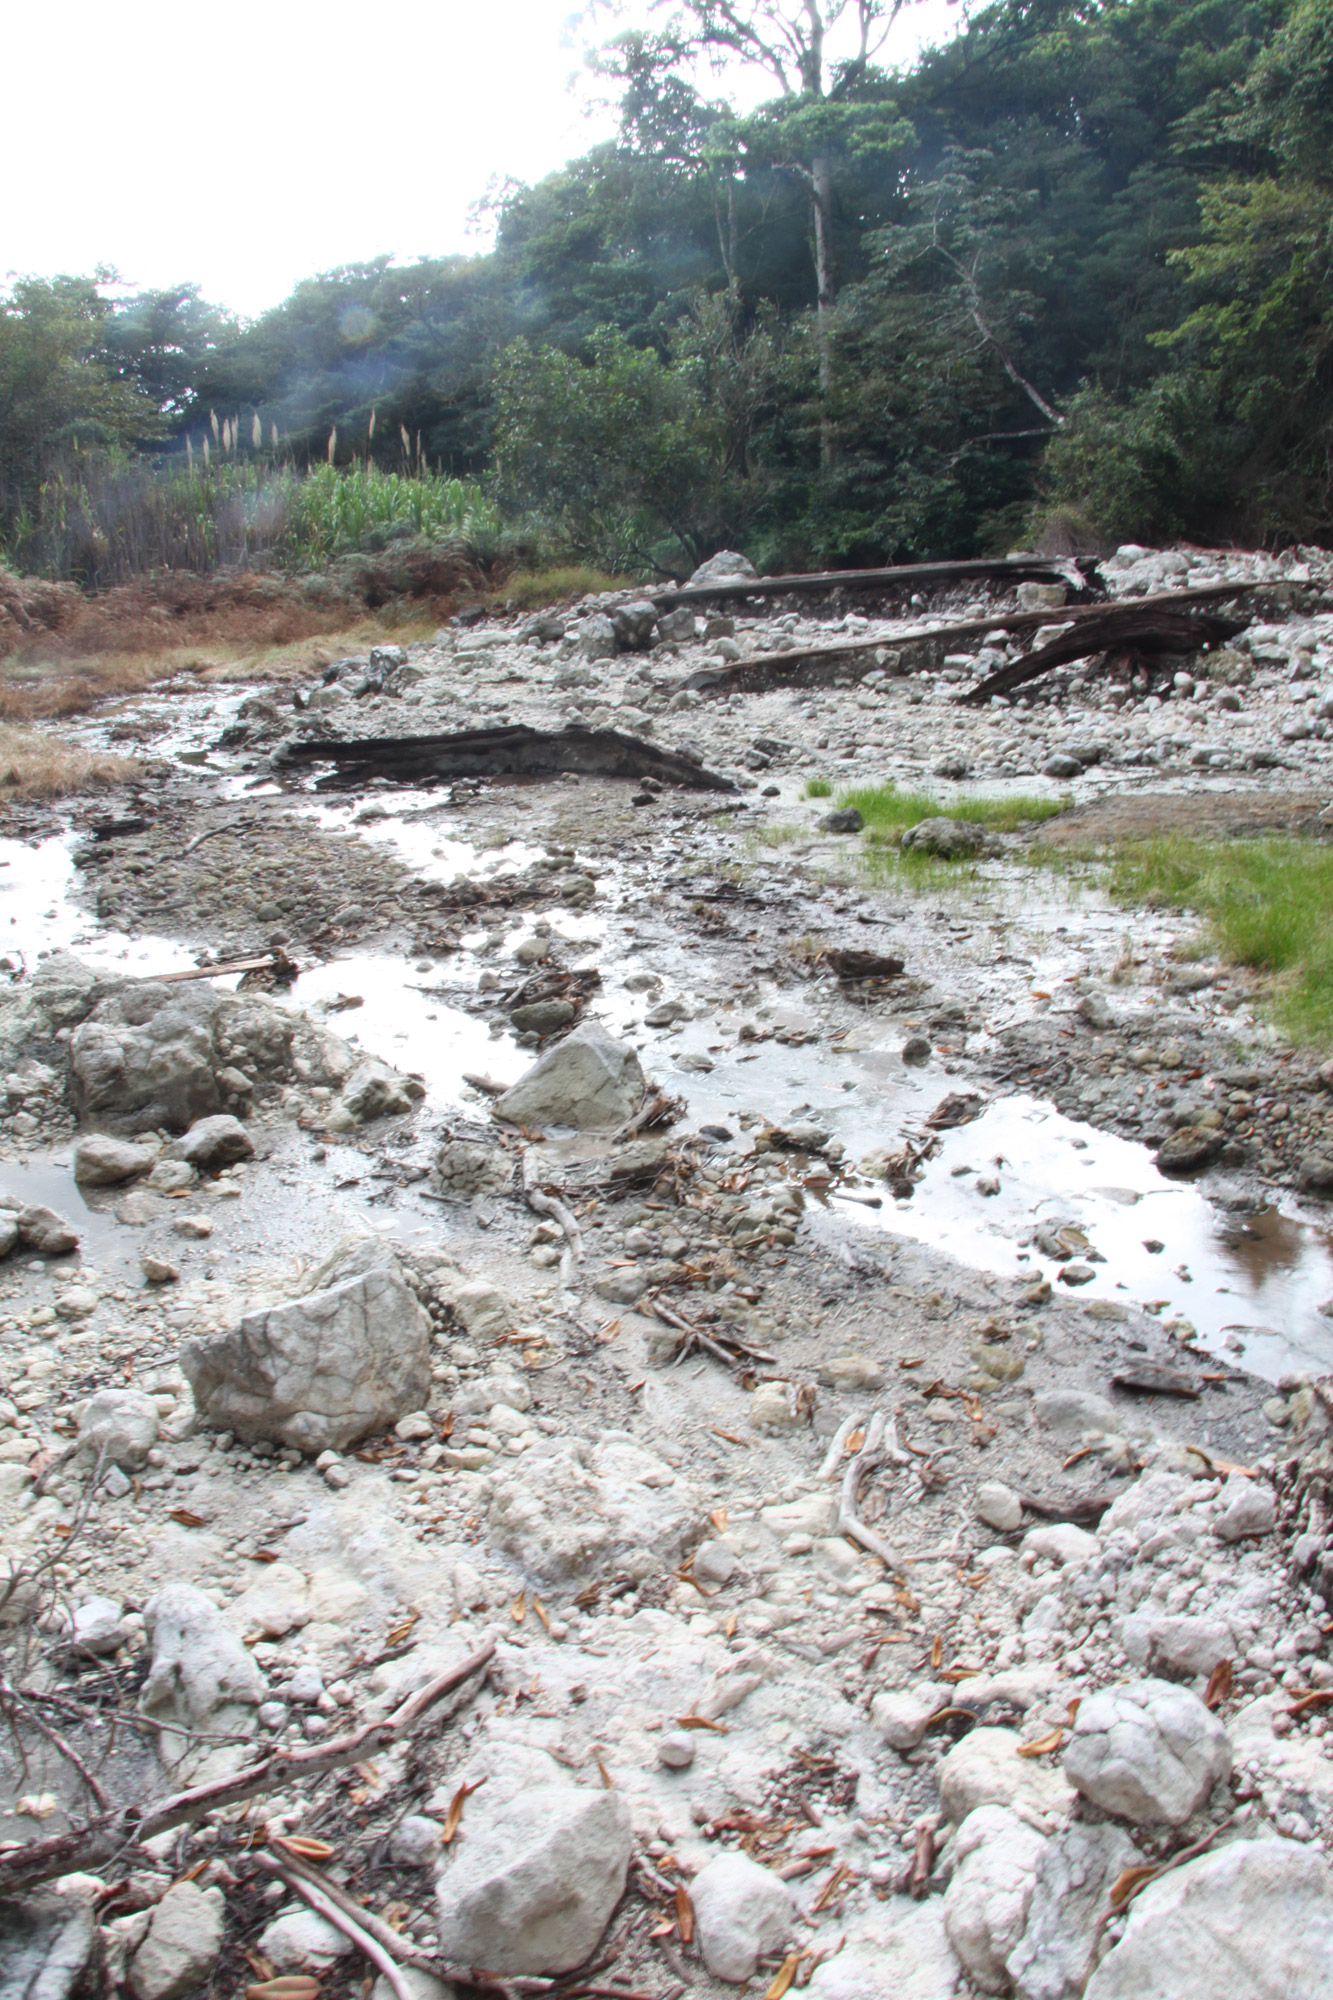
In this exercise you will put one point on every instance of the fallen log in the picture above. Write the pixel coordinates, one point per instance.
(513, 751)
(1125, 629)
(814, 666)
(989, 569)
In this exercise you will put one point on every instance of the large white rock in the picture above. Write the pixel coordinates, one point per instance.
(996, 1856)
(211, 1143)
(1176, 1646)
(183, 1941)
(570, 1510)
(741, 1911)
(149, 1055)
(300, 1940)
(1147, 1751)
(201, 1678)
(101, 1161)
(985, 1769)
(321, 1372)
(533, 1889)
(727, 566)
(897, 1950)
(1075, 1875)
(1062, 1541)
(902, 1716)
(1252, 1921)
(119, 1427)
(1248, 1508)
(590, 1081)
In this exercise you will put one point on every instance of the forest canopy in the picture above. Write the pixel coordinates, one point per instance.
(1068, 279)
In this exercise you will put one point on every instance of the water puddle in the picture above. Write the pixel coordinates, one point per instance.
(1251, 1286)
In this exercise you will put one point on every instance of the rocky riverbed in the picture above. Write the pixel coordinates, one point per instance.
(752, 1310)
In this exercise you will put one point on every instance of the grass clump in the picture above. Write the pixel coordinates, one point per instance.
(889, 813)
(1267, 904)
(532, 589)
(37, 765)
(817, 788)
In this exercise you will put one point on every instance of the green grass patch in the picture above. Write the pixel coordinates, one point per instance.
(532, 589)
(1267, 904)
(817, 788)
(889, 812)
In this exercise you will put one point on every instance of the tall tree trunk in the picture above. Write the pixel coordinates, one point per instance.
(821, 205)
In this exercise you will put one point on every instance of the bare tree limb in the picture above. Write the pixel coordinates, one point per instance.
(88, 1847)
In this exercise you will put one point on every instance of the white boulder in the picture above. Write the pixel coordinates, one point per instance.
(996, 1856)
(589, 1080)
(201, 1678)
(119, 1427)
(741, 1911)
(1251, 1921)
(1147, 1751)
(101, 1161)
(534, 1888)
(321, 1372)
(1247, 1508)
(183, 1942)
(985, 1769)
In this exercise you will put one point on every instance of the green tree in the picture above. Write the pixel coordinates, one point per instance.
(60, 389)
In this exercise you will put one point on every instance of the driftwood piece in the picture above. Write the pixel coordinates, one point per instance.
(814, 666)
(89, 1847)
(976, 569)
(881, 1446)
(514, 751)
(1123, 628)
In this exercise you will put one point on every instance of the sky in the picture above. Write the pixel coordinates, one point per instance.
(245, 147)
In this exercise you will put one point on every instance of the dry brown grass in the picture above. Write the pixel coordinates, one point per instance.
(36, 765)
(33, 689)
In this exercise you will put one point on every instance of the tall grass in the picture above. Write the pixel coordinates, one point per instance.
(334, 510)
(1267, 904)
(103, 519)
(889, 812)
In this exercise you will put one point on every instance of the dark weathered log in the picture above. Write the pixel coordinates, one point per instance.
(814, 666)
(514, 751)
(1126, 628)
(978, 569)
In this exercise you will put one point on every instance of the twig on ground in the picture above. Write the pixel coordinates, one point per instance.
(333, 1913)
(542, 1203)
(873, 1453)
(86, 1848)
(11, 1698)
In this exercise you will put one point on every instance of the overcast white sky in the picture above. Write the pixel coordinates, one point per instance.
(248, 145)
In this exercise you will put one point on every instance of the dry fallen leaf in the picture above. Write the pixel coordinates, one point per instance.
(937, 1651)
(784, 1976)
(729, 1436)
(304, 1848)
(700, 1722)
(729, 1625)
(1218, 1689)
(540, 1610)
(718, 1517)
(186, 1517)
(398, 1633)
(455, 1813)
(607, 1780)
(291, 1986)
(518, 1610)
(1124, 1885)
(684, 1914)
(1043, 1745)
(855, 1440)
(1072, 1709)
